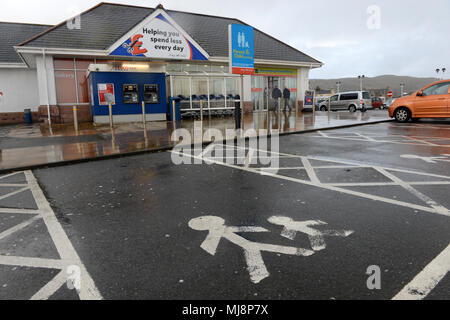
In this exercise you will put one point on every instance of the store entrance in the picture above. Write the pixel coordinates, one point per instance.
(272, 83)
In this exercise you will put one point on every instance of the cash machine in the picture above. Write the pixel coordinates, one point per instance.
(126, 91)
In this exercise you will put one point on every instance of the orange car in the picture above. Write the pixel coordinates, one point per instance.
(433, 101)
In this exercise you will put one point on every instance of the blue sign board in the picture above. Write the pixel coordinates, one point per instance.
(309, 98)
(242, 59)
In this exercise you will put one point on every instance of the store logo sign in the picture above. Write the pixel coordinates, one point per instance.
(161, 39)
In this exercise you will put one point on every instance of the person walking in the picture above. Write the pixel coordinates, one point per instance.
(287, 98)
(276, 94)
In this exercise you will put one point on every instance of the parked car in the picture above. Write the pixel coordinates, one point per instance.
(433, 101)
(351, 101)
(377, 103)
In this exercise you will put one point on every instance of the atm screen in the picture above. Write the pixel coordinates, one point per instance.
(130, 94)
(151, 93)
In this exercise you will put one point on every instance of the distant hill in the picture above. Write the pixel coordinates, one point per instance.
(376, 83)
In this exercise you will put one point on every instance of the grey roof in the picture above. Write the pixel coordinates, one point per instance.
(12, 34)
(106, 23)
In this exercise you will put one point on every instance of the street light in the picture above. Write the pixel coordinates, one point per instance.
(338, 86)
(360, 81)
(437, 72)
(443, 71)
(402, 85)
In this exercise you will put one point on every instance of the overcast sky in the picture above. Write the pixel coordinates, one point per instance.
(410, 37)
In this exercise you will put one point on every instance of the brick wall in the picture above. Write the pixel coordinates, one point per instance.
(16, 117)
(64, 114)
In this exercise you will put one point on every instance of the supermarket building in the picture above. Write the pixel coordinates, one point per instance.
(137, 54)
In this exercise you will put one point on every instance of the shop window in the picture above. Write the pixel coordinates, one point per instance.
(83, 89)
(70, 78)
(218, 69)
(65, 86)
(204, 68)
(173, 67)
(82, 64)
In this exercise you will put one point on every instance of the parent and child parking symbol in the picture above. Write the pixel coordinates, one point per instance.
(252, 250)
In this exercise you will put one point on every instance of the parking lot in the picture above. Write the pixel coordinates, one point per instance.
(338, 203)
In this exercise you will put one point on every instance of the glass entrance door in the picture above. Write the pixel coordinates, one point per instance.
(272, 83)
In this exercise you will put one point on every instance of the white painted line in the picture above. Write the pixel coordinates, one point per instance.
(309, 169)
(209, 148)
(366, 137)
(420, 140)
(323, 134)
(62, 243)
(383, 141)
(361, 184)
(12, 185)
(427, 279)
(18, 227)
(9, 175)
(51, 287)
(34, 262)
(355, 163)
(328, 187)
(19, 211)
(13, 193)
(439, 208)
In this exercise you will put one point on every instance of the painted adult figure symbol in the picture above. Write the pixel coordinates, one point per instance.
(252, 250)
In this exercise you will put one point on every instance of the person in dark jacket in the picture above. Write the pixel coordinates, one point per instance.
(287, 98)
(276, 94)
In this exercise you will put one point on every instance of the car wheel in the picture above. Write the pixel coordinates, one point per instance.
(352, 108)
(402, 115)
(323, 108)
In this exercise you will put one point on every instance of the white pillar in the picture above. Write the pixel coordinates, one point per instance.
(302, 83)
(42, 86)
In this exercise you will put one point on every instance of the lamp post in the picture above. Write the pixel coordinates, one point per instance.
(443, 72)
(338, 86)
(437, 72)
(361, 81)
(402, 88)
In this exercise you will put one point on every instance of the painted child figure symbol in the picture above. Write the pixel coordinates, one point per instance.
(252, 250)
(316, 237)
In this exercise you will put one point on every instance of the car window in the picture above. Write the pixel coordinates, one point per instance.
(366, 95)
(349, 96)
(334, 98)
(440, 88)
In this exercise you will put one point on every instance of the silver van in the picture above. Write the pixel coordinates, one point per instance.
(351, 101)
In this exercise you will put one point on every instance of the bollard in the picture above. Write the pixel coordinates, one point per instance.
(201, 111)
(237, 114)
(279, 114)
(144, 123)
(144, 118)
(329, 106)
(314, 106)
(111, 123)
(75, 118)
(174, 116)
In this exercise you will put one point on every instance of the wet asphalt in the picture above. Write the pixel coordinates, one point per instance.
(128, 220)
